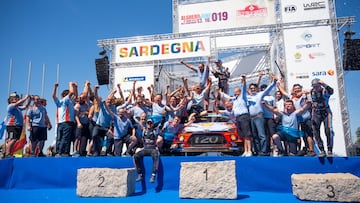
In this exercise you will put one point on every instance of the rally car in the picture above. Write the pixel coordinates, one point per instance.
(210, 133)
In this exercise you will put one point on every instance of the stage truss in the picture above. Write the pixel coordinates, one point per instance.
(170, 72)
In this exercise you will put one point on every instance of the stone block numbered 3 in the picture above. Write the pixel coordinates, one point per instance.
(208, 180)
(340, 187)
(105, 182)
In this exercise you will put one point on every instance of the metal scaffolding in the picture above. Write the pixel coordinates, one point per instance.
(171, 71)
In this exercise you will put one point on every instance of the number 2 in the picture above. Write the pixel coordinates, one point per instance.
(101, 179)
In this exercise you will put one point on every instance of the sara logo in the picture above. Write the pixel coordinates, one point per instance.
(329, 72)
(290, 9)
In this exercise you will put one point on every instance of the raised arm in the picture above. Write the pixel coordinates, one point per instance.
(261, 74)
(271, 108)
(73, 87)
(133, 90)
(151, 92)
(208, 85)
(188, 65)
(329, 90)
(27, 98)
(108, 109)
(129, 98)
(120, 92)
(282, 89)
(56, 85)
(304, 107)
(107, 105)
(96, 94)
(111, 95)
(186, 86)
(86, 90)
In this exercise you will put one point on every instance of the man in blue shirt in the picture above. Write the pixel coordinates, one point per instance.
(261, 140)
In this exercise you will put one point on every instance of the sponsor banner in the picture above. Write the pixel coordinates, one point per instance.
(304, 10)
(144, 77)
(309, 54)
(242, 40)
(227, 14)
(162, 50)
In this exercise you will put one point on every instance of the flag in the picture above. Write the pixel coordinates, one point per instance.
(18, 147)
(2, 129)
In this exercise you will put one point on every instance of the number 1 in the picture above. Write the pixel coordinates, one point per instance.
(206, 174)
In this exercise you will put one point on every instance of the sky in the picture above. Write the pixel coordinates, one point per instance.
(64, 34)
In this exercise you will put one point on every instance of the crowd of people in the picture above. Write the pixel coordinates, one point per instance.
(280, 123)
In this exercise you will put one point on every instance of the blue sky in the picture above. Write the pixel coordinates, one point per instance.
(65, 32)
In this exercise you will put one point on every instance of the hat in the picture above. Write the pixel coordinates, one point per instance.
(218, 61)
(315, 82)
(149, 120)
(14, 94)
(263, 86)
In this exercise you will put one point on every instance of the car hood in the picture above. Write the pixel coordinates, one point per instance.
(208, 127)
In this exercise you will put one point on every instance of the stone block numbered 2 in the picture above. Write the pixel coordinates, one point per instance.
(339, 187)
(105, 182)
(208, 180)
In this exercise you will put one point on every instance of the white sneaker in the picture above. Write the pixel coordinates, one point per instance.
(248, 154)
(75, 154)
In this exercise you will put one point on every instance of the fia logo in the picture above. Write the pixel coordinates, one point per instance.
(290, 9)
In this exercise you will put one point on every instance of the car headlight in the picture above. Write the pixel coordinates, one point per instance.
(233, 137)
(181, 138)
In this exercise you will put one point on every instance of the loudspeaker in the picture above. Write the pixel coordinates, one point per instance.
(351, 53)
(102, 70)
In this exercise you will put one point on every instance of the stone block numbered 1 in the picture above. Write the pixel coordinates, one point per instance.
(208, 180)
(339, 187)
(105, 182)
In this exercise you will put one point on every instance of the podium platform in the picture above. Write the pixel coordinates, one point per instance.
(53, 179)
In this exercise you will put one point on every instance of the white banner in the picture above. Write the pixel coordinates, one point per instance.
(217, 15)
(304, 10)
(144, 77)
(161, 50)
(242, 40)
(310, 54)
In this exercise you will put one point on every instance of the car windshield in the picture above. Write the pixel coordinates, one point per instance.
(213, 118)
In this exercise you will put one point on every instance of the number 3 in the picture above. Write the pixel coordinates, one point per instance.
(331, 193)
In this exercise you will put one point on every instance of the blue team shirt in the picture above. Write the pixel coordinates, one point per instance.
(255, 106)
(37, 115)
(14, 116)
(121, 126)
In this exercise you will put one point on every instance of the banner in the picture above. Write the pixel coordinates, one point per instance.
(227, 14)
(162, 50)
(304, 10)
(309, 54)
(144, 77)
